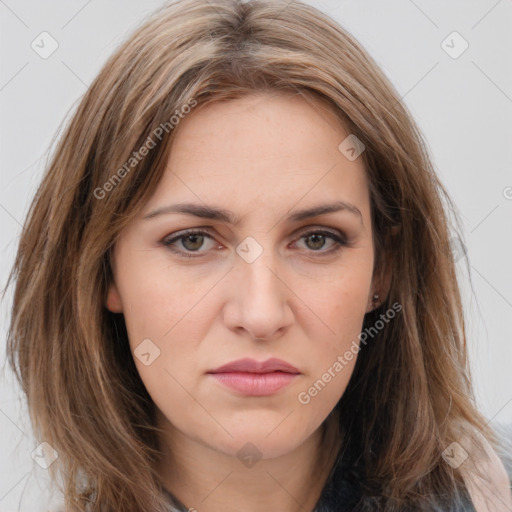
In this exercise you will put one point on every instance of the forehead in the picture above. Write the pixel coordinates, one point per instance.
(261, 153)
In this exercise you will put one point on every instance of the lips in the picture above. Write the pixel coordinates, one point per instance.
(252, 378)
(253, 366)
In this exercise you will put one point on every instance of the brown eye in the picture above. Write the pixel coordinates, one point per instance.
(190, 242)
(315, 241)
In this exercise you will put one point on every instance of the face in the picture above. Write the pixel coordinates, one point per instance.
(249, 271)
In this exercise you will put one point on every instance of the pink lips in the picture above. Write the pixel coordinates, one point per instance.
(254, 378)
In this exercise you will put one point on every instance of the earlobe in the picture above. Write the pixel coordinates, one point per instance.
(373, 302)
(113, 302)
(380, 285)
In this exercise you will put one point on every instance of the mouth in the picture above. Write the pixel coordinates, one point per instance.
(252, 378)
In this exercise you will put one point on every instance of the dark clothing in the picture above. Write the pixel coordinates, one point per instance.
(342, 493)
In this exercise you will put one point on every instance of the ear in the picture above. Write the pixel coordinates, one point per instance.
(113, 302)
(381, 281)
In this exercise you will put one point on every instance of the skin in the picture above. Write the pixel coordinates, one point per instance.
(263, 157)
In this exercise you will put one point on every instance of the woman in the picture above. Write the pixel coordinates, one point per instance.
(234, 288)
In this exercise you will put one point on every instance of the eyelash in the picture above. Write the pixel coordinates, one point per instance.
(167, 242)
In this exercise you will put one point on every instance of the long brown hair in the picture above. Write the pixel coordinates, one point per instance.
(410, 395)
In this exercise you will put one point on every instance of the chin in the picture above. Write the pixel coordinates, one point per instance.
(249, 449)
(257, 441)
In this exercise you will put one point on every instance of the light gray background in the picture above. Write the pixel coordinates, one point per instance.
(463, 106)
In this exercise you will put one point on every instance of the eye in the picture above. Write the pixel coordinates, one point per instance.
(193, 240)
(316, 240)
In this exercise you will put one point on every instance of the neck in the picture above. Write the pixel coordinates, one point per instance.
(208, 480)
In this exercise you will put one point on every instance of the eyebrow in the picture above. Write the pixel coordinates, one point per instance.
(221, 214)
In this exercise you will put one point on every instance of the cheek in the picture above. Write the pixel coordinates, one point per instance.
(146, 313)
(156, 297)
(342, 301)
(165, 321)
(318, 397)
(341, 305)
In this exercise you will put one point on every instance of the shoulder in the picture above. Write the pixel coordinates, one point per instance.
(484, 473)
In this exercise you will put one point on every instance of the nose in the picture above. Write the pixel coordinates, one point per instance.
(259, 305)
